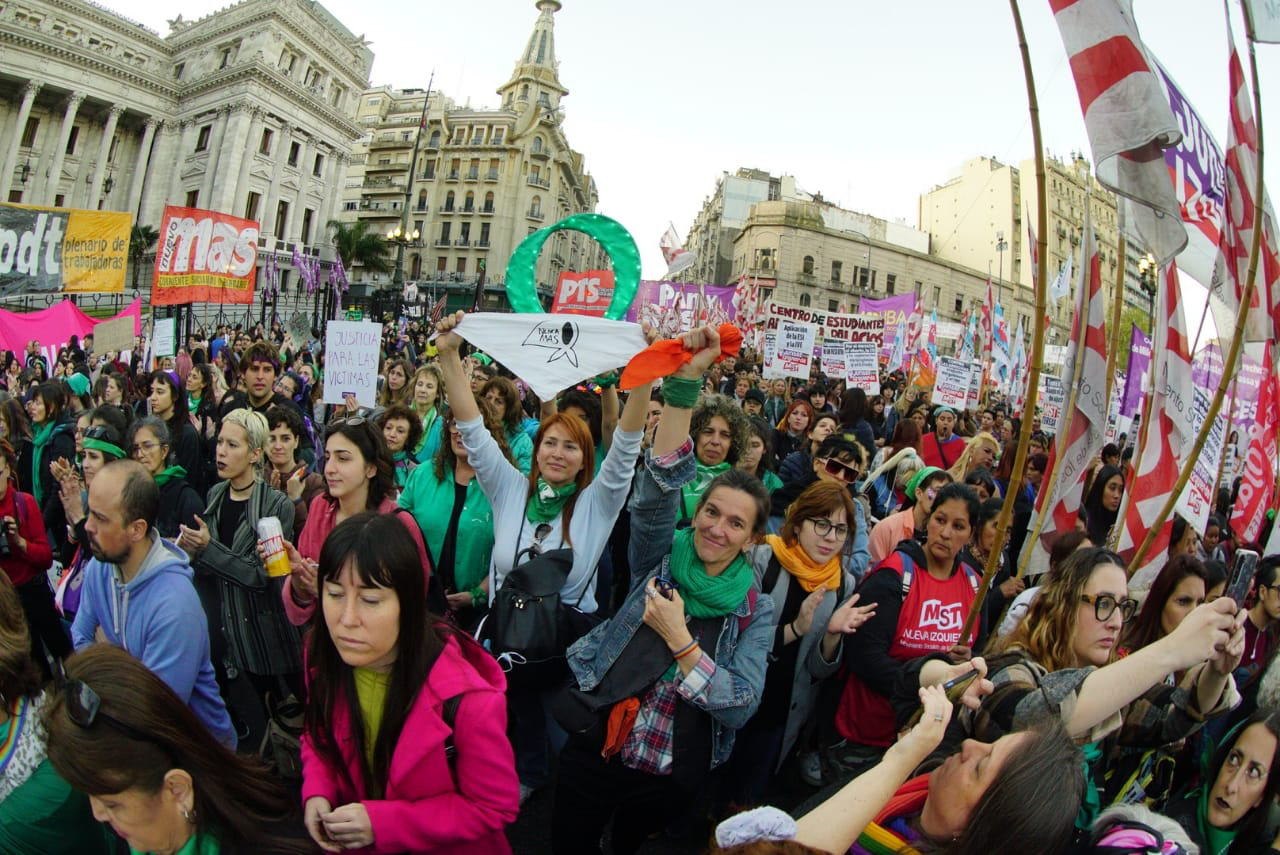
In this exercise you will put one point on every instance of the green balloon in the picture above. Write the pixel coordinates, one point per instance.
(522, 291)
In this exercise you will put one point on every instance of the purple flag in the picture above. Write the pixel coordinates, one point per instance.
(895, 310)
(1135, 376)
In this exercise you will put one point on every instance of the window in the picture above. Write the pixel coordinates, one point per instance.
(805, 300)
(890, 283)
(317, 168)
(448, 201)
(919, 286)
(295, 150)
(307, 216)
(464, 234)
(836, 269)
(435, 140)
(202, 138)
(462, 265)
(445, 228)
(442, 263)
(251, 204)
(765, 259)
(178, 69)
(60, 200)
(336, 97)
(422, 200)
(193, 198)
(458, 134)
(350, 206)
(469, 203)
(226, 58)
(430, 170)
(71, 139)
(488, 202)
(493, 169)
(473, 172)
(937, 295)
(455, 167)
(497, 135)
(484, 234)
(537, 145)
(524, 92)
(807, 266)
(282, 218)
(543, 100)
(29, 132)
(373, 102)
(959, 305)
(264, 145)
(833, 306)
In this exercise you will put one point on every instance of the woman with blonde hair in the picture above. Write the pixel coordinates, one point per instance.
(982, 452)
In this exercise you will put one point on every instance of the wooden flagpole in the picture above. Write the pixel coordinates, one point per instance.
(1237, 339)
(1117, 303)
(1037, 339)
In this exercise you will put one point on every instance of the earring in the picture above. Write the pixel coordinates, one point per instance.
(189, 815)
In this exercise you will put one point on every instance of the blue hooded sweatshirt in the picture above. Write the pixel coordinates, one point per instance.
(158, 618)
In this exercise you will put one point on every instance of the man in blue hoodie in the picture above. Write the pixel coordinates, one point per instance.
(138, 593)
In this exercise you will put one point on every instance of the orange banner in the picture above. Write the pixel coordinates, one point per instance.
(62, 249)
(204, 257)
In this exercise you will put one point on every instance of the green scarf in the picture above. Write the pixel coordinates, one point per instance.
(704, 595)
(1217, 840)
(1091, 804)
(41, 439)
(169, 474)
(193, 403)
(694, 489)
(546, 502)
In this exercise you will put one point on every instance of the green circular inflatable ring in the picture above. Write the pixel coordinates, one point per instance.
(522, 290)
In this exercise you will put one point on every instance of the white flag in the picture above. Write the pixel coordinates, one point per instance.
(676, 256)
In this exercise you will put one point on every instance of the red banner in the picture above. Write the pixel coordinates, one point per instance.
(204, 257)
(586, 293)
(1249, 513)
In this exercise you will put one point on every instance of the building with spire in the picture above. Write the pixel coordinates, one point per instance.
(472, 183)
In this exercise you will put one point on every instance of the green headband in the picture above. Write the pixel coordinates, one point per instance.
(105, 447)
(916, 479)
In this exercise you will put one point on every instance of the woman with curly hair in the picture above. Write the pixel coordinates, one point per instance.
(396, 388)
(981, 452)
(720, 431)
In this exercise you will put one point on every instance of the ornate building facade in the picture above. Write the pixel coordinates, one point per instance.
(473, 183)
(249, 111)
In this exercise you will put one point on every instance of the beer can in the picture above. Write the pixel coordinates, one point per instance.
(271, 536)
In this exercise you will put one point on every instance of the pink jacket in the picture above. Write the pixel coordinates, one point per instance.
(423, 811)
(320, 521)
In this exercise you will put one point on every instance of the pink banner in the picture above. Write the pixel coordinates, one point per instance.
(894, 310)
(54, 326)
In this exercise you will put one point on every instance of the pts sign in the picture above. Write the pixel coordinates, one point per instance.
(586, 293)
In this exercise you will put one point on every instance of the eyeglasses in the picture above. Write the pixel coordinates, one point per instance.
(823, 527)
(841, 470)
(145, 445)
(351, 421)
(1105, 605)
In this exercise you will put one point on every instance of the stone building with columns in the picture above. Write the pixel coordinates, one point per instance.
(249, 111)
(473, 182)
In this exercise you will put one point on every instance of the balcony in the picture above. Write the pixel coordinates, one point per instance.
(486, 211)
(454, 175)
(443, 242)
(491, 175)
(473, 175)
(386, 167)
(483, 243)
(464, 242)
(382, 185)
(390, 142)
(445, 209)
(535, 214)
(540, 154)
(539, 181)
(469, 209)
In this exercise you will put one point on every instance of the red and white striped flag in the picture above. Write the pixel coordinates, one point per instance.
(1086, 433)
(677, 257)
(1033, 248)
(1127, 117)
(1239, 218)
(988, 308)
(1165, 436)
(1259, 481)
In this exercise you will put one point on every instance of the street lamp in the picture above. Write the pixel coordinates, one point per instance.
(1147, 280)
(1001, 246)
(401, 238)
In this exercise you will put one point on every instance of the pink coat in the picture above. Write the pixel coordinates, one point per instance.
(423, 811)
(320, 521)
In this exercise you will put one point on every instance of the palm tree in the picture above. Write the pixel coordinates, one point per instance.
(355, 244)
(141, 241)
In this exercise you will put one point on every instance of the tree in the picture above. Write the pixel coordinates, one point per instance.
(355, 245)
(1132, 315)
(141, 241)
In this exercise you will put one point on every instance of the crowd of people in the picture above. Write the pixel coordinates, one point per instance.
(712, 612)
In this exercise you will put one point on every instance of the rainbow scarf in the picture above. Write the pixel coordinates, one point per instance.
(879, 838)
(10, 745)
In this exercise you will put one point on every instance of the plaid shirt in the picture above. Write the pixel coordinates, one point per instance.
(648, 748)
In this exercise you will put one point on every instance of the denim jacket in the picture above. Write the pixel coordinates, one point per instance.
(741, 658)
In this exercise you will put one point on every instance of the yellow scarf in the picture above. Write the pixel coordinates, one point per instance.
(806, 571)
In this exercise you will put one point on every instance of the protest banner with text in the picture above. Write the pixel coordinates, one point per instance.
(952, 386)
(862, 361)
(62, 249)
(204, 257)
(586, 293)
(351, 361)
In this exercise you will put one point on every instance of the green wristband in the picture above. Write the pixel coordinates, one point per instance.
(682, 392)
(608, 380)
(479, 597)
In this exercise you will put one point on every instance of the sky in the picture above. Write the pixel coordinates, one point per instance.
(869, 104)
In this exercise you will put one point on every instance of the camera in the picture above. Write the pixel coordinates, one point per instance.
(5, 551)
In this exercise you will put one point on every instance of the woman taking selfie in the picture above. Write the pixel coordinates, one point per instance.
(405, 746)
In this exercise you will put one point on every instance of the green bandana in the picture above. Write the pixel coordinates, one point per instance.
(547, 501)
(193, 403)
(1217, 840)
(41, 439)
(694, 489)
(169, 474)
(105, 447)
(704, 595)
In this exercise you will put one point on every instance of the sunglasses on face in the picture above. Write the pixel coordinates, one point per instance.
(840, 470)
(1105, 605)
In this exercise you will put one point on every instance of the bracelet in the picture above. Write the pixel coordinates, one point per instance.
(690, 649)
(479, 597)
(682, 392)
(792, 626)
(683, 650)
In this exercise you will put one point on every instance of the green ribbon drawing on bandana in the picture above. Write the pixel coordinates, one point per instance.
(522, 291)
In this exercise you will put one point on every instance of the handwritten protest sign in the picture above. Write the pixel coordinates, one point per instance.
(351, 361)
(862, 361)
(1053, 398)
(164, 338)
(300, 329)
(952, 386)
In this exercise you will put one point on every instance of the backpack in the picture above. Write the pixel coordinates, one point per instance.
(915, 552)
